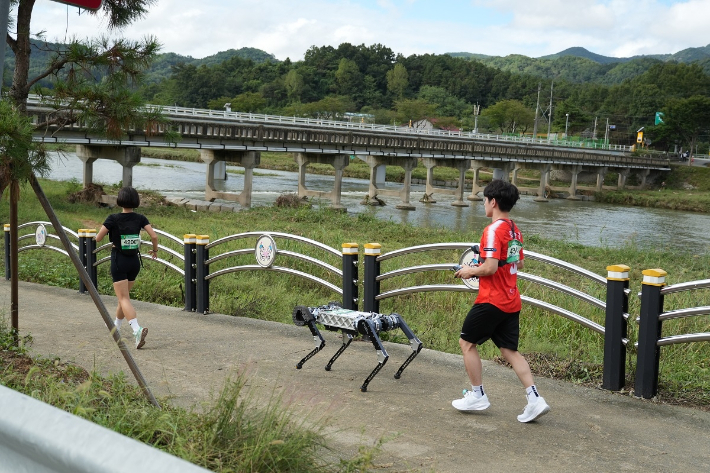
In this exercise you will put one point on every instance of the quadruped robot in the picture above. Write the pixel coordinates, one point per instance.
(351, 323)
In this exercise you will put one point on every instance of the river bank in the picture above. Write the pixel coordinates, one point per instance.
(686, 188)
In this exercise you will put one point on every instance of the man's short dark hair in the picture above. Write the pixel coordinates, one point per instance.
(128, 198)
(505, 193)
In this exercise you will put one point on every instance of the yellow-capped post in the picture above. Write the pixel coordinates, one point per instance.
(190, 253)
(649, 332)
(372, 270)
(350, 275)
(201, 273)
(615, 327)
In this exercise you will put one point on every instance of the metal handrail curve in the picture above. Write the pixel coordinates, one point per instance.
(562, 288)
(47, 224)
(48, 247)
(565, 265)
(687, 338)
(426, 288)
(413, 269)
(686, 286)
(564, 313)
(286, 236)
(687, 312)
(169, 236)
(278, 269)
(157, 260)
(428, 247)
(302, 257)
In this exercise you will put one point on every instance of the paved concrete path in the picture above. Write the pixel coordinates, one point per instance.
(188, 356)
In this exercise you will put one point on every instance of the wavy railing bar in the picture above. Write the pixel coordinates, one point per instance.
(564, 313)
(286, 236)
(681, 313)
(278, 269)
(686, 286)
(414, 269)
(562, 288)
(426, 288)
(688, 338)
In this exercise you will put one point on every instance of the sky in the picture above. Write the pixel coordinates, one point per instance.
(287, 28)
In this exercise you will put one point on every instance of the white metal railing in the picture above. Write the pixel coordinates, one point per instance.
(34, 102)
(37, 437)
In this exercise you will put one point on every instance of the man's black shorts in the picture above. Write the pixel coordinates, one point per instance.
(124, 267)
(486, 321)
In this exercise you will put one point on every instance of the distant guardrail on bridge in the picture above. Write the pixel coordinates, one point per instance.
(34, 102)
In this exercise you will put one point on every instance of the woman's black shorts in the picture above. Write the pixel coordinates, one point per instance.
(124, 267)
(486, 321)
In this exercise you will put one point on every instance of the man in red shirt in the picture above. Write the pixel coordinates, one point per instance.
(495, 314)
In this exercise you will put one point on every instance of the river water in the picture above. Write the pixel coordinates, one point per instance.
(588, 223)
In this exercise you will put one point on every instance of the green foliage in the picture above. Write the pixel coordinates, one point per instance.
(19, 156)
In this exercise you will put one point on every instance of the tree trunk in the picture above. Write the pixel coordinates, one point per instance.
(22, 49)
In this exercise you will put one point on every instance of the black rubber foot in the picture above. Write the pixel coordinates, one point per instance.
(397, 376)
(327, 368)
(363, 389)
(299, 366)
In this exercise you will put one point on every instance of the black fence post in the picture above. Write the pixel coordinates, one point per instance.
(190, 265)
(650, 326)
(615, 327)
(202, 270)
(350, 276)
(82, 257)
(372, 270)
(7, 252)
(91, 256)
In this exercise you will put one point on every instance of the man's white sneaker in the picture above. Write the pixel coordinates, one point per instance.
(469, 402)
(534, 411)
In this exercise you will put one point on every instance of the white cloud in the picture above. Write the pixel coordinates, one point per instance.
(287, 28)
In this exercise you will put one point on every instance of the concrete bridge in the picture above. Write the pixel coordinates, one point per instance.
(239, 138)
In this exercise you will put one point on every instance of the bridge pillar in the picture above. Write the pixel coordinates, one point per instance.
(574, 170)
(126, 156)
(643, 174)
(461, 165)
(376, 163)
(601, 173)
(623, 175)
(544, 179)
(246, 159)
(475, 188)
(503, 172)
(514, 174)
(338, 161)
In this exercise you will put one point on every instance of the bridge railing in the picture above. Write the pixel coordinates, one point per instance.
(36, 103)
(650, 339)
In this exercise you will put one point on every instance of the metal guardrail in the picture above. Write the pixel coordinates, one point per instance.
(37, 437)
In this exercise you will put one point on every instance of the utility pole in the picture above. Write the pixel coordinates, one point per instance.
(4, 15)
(476, 111)
(594, 134)
(537, 107)
(549, 116)
(606, 133)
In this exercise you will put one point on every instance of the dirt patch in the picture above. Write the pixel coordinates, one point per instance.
(89, 195)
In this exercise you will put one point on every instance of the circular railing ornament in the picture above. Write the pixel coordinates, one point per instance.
(265, 251)
(40, 235)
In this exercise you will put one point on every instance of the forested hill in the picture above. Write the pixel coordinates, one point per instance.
(580, 65)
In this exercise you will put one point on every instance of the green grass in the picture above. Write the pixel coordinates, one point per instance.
(236, 432)
(434, 317)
